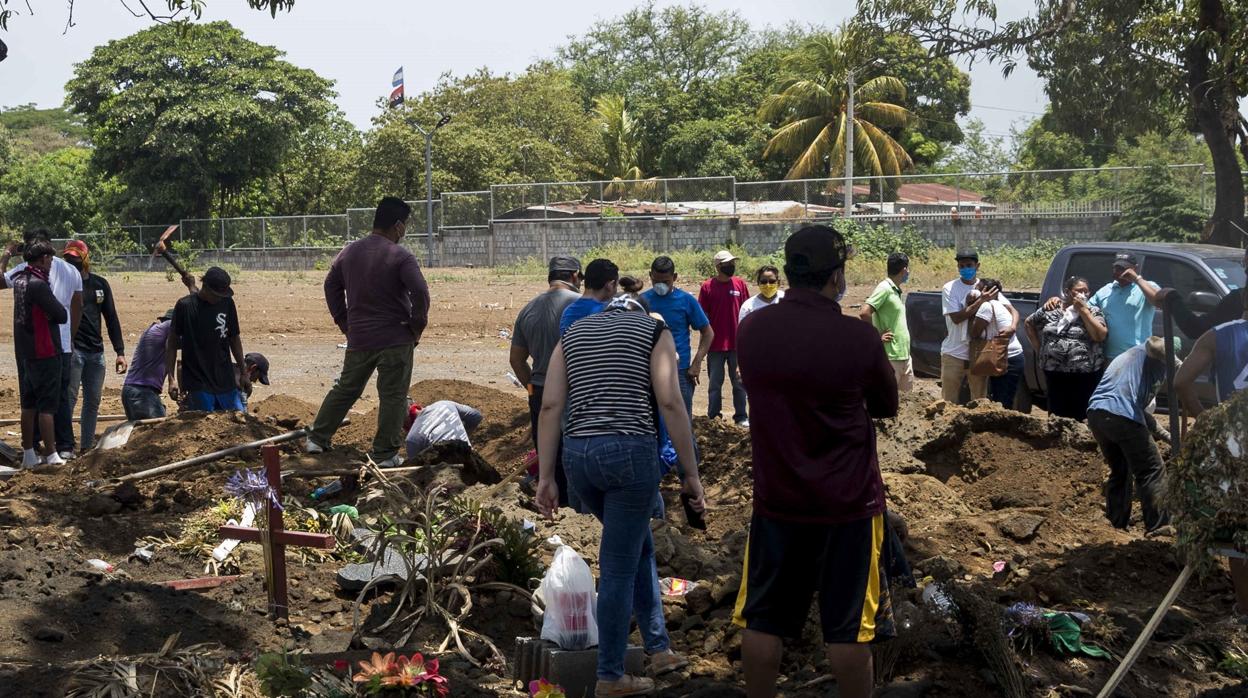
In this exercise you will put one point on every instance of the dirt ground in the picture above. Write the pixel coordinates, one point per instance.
(980, 489)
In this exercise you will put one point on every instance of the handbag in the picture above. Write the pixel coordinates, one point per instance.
(990, 357)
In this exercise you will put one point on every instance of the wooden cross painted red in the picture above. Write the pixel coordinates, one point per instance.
(280, 538)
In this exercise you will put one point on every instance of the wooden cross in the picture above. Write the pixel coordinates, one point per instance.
(280, 538)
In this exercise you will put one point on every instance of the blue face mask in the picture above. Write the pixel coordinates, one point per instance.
(905, 277)
(968, 273)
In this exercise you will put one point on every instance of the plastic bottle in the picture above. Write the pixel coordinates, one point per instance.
(327, 490)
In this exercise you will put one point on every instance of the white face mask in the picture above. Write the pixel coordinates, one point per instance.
(662, 289)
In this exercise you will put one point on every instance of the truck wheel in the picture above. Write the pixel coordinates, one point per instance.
(1022, 401)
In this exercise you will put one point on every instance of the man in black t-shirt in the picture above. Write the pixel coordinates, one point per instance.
(86, 372)
(205, 328)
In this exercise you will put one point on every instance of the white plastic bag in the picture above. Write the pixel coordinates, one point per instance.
(571, 617)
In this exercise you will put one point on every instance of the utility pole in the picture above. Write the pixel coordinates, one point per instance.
(848, 208)
(429, 183)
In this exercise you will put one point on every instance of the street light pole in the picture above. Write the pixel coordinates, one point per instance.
(444, 120)
(847, 211)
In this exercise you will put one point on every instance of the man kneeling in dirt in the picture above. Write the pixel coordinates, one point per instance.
(205, 328)
(816, 378)
(440, 422)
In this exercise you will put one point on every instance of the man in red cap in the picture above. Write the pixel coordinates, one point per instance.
(86, 372)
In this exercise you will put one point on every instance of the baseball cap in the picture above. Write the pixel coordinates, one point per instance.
(966, 254)
(77, 248)
(724, 256)
(1125, 259)
(813, 249)
(564, 263)
(218, 280)
(261, 364)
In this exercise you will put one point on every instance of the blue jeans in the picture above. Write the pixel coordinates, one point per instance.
(63, 418)
(686, 389)
(716, 362)
(1001, 389)
(86, 371)
(617, 479)
(205, 401)
(141, 402)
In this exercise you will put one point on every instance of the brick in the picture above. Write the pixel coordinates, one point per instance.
(575, 671)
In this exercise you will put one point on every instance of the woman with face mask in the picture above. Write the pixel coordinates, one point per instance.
(1071, 340)
(769, 291)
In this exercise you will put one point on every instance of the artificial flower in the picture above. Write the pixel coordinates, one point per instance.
(541, 688)
(252, 486)
(379, 667)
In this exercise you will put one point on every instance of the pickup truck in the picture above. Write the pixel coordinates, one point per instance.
(1202, 274)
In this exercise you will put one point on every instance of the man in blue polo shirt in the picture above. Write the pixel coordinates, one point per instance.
(1129, 303)
(680, 310)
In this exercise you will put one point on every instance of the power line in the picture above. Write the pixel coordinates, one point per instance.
(1016, 111)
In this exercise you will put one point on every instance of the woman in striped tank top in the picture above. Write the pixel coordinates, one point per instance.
(610, 373)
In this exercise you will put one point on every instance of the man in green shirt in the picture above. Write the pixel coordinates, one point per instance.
(886, 311)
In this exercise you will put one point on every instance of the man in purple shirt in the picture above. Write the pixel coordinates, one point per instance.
(816, 377)
(145, 379)
(379, 299)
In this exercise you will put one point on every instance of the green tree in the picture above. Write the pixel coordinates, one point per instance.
(649, 50)
(57, 191)
(729, 146)
(1157, 209)
(979, 151)
(810, 107)
(188, 116)
(621, 139)
(175, 10)
(37, 131)
(318, 174)
(526, 128)
(6, 150)
(1153, 53)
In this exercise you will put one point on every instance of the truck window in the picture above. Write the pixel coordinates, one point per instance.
(1177, 274)
(1230, 271)
(1096, 267)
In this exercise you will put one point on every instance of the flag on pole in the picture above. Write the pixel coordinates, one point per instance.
(396, 96)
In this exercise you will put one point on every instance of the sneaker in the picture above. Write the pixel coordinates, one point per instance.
(628, 685)
(66, 455)
(744, 424)
(392, 462)
(54, 459)
(665, 662)
(30, 459)
(312, 447)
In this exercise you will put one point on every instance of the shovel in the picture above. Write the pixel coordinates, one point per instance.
(119, 435)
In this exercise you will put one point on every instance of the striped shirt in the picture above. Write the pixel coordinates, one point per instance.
(609, 386)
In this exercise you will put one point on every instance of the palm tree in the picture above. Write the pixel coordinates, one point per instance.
(810, 104)
(621, 139)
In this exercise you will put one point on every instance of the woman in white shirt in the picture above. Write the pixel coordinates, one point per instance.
(997, 317)
(769, 293)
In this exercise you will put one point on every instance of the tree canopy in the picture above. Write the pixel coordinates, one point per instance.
(188, 115)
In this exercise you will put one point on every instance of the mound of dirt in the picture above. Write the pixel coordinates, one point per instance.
(185, 435)
(285, 411)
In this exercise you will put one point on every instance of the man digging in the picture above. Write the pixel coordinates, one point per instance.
(205, 329)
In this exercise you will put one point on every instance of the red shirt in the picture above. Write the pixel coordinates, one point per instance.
(815, 378)
(722, 301)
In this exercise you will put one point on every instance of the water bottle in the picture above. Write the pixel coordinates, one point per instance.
(327, 490)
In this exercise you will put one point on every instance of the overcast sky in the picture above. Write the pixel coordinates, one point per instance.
(360, 44)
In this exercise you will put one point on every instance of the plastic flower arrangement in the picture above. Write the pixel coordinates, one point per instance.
(401, 676)
(541, 688)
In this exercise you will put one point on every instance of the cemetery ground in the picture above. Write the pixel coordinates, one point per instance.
(1001, 508)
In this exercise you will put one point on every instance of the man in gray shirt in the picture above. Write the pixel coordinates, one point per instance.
(537, 332)
(537, 329)
(442, 421)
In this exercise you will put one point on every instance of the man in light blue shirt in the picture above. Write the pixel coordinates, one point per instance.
(1120, 423)
(681, 311)
(1129, 303)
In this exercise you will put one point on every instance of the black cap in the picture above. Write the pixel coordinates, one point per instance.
(814, 249)
(565, 263)
(261, 364)
(966, 254)
(218, 281)
(1125, 259)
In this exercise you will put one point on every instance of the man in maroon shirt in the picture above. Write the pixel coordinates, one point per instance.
(721, 299)
(816, 378)
(379, 299)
